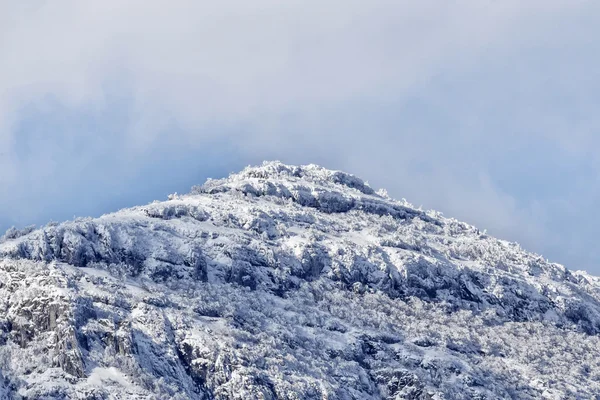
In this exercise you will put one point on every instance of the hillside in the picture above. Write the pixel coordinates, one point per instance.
(289, 282)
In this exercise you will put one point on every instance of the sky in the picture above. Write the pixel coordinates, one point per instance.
(484, 110)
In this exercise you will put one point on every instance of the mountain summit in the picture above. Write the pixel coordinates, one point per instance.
(289, 282)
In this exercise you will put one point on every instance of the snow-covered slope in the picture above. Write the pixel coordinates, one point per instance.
(286, 282)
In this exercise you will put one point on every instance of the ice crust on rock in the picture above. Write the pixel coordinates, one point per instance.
(289, 282)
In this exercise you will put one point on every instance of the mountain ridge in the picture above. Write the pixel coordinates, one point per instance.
(289, 282)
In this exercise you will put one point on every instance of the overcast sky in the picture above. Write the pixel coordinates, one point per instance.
(485, 110)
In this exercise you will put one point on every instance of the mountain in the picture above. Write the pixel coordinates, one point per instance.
(289, 282)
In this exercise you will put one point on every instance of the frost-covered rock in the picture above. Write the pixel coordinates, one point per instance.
(289, 282)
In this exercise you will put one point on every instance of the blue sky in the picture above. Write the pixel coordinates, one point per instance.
(486, 111)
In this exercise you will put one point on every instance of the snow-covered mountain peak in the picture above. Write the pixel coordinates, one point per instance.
(277, 172)
(286, 282)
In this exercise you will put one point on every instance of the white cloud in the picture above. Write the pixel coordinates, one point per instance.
(197, 61)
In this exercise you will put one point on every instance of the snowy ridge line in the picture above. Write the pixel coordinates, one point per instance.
(311, 186)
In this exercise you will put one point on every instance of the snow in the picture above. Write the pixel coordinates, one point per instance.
(286, 282)
(101, 376)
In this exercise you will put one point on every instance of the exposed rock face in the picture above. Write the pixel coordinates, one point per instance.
(286, 282)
